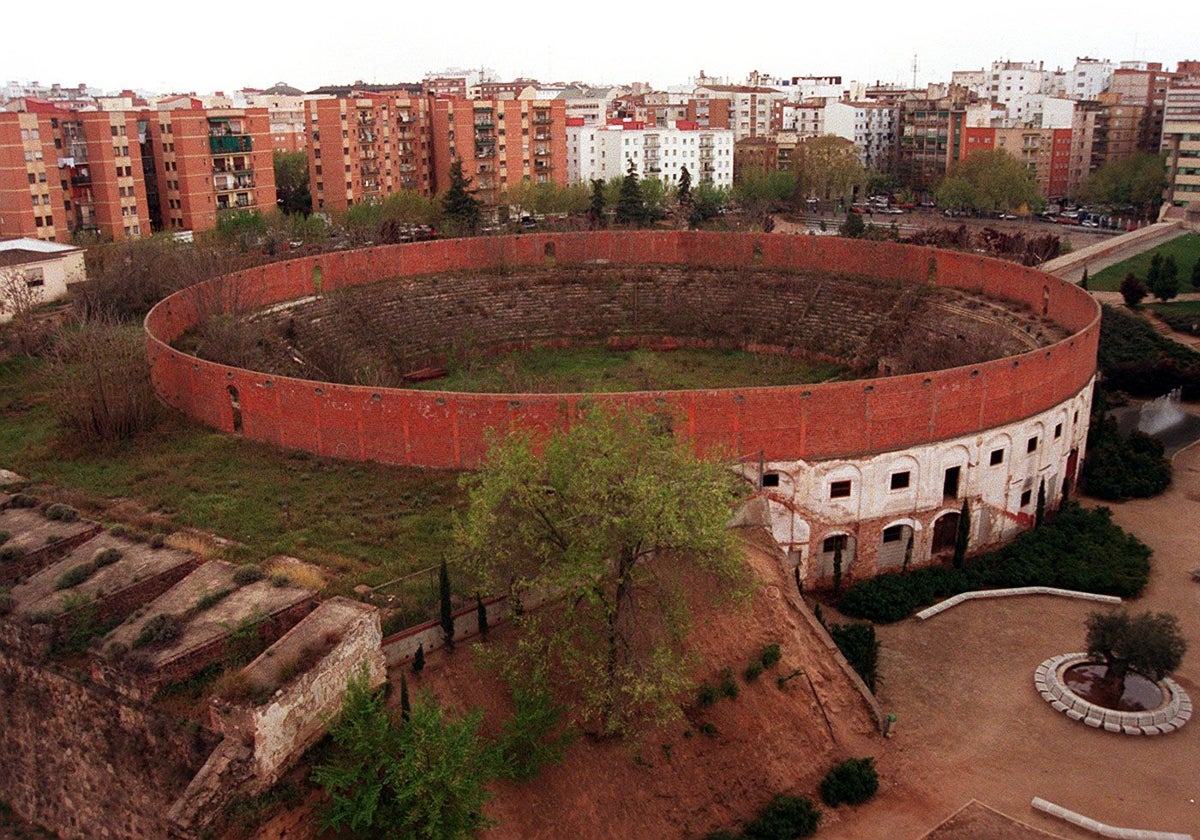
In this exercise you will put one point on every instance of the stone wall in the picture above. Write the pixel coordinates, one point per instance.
(85, 763)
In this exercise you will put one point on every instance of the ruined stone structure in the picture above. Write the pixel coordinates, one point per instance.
(869, 474)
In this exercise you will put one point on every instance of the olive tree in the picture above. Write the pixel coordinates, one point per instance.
(608, 524)
(1151, 644)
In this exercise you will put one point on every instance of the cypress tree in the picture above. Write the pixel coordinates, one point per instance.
(596, 208)
(459, 206)
(447, 610)
(1083, 282)
(419, 659)
(1040, 513)
(631, 206)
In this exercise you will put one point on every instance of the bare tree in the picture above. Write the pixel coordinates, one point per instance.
(18, 299)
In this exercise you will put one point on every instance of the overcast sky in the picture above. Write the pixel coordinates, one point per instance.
(180, 47)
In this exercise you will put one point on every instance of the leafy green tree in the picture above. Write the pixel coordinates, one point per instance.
(1152, 644)
(243, 228)
(291, 182)
(962, 537)
(654, 199)
(535, 735)
(631, 206)
(1133, 290)
(708, 202)
(1137, 181)
(1163, 277)
(459, 208)
(596, 207)
(991, 181)
(683, 190)
(615, 516)
(423, 779)
(758, 192)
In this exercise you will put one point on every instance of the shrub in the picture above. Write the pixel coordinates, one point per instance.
(211, 599)
(106, 557)
(4, 536)
(1080, 549)
(74, 576)
(709, 729)
(783, 818)
(62, 513)
(853, 781)
(7, 603)
(119, 530)
(24, 500)
(708, 694)
(858, 644)
(771, 655)
(532, 737)
(419, 660)
(11, 553)
(729, 686)
(280, 580)
(158, 541)
(1119, 468)
(159, 630)
(753, 670)
(244, 575)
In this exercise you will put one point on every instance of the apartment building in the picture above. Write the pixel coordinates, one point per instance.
(499, 142)
(1181, 144)
(64, 172)
(930, 137)
(363, 148)
(207, 161)
(605, 152)
(871, 126)
(751, 108)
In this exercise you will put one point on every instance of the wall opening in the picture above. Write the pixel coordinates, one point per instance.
(895, 547)
(945, 533)
(950, 482)
(318, 278)
(548, 251)
(836, 550)
(236, 406)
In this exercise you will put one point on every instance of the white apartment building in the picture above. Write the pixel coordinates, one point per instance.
(1014, 79)
(750, 107)
(1090, 78)
(871, 126)
(605, 152)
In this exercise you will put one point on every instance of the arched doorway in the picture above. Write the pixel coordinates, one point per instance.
(895, 547)
(837, 551)
(945, 533)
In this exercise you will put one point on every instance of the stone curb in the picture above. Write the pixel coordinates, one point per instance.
(1162, 721)
(1088, 824)
(930, 612)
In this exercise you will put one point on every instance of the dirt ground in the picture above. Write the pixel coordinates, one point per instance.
(971, 726)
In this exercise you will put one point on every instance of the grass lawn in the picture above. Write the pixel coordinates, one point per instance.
(597, 369)
(1182, 315)
(365, 523)
(1185, 249)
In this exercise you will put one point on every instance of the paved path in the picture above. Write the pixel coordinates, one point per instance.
(1112, 251)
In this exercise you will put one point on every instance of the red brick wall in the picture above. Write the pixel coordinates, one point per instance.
(810, 422)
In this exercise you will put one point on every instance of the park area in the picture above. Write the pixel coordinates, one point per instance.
(1185, 250)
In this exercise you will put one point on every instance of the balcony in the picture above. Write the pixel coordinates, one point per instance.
(541, 135)
(219, 144)
(541, 118)
(485, 150)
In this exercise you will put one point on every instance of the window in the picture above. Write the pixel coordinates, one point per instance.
(1058, 431)
(1031, 446)
(950, 482)
(839, 490)
(900, 480)
(997, 457)
(1026, 495)
(768, 479)
(893, 534)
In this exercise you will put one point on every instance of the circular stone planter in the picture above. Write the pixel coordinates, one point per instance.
(1171, 715)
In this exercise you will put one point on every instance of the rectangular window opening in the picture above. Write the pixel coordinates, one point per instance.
(839, 490)
(900, 480)
(997, 457)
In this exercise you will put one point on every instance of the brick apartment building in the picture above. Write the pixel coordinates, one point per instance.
(367, 146)
(500, 142)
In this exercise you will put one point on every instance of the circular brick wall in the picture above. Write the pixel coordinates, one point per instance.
(802, 422)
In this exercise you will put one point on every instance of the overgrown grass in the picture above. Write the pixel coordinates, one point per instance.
(598, 369)
(1136, 359)
(366, 523)
(1185, 249)
(1182, 316)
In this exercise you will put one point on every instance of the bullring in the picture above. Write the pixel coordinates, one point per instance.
(872, 471)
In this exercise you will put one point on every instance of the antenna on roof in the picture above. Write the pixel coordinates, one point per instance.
(914, 69)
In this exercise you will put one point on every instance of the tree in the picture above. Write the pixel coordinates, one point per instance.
(459, 208)
(1136, 181)
(1083, 281)
(854, 226)
(445, 608)
(1133, 290)
(1196, 274)
(991, 181)
(423, 779)
(1040, 511)
(291, 182)
(827, 167)
(18, 300)
(962, 537)
(1165, 284)
(596, 212)
(419, 660)
(481, 619)
(1151, 644)
(615, 517)
(631, 207)
(683, 191)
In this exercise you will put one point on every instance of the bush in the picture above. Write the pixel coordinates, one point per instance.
(11, 553)
(858, 644)
(62, 513)
(5, 536)
(7, 603)
(1080, 549)
(1137, 360)
(74, 576)
(708, 694)
(159, 630)
(533, 736)
(280, 580)
(244, 575)
(211, 599)
(158, 541)
(853, 781)
(753, 670)
(24, 500)
(729, 686)
(1119, 468)
(783, 818)
(771, 655)
(106, 557)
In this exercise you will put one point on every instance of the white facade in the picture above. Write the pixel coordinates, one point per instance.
(33, 272)
(870, 126)
(1011, 80)
(750, 108)
(1090, 78)
(605, 152)
(1057, 112)
(867, 508)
